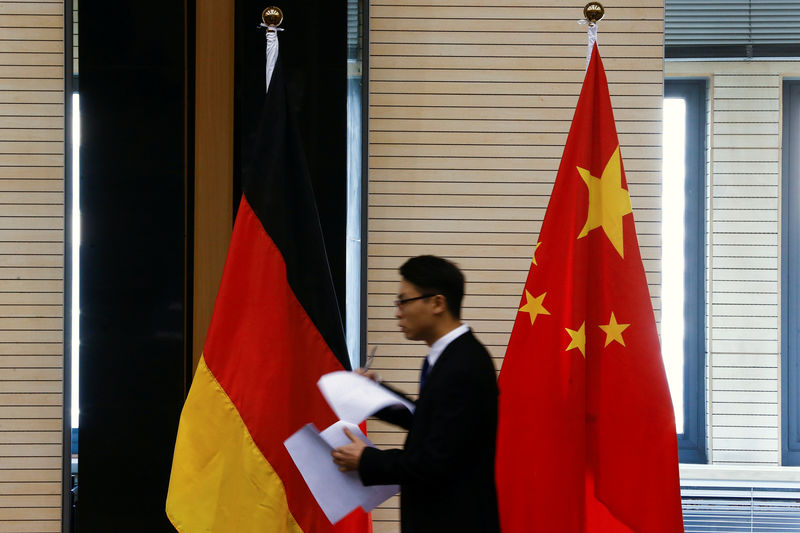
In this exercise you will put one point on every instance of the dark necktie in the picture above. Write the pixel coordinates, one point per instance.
(426, 368)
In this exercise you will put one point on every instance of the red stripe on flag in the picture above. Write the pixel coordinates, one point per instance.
(267, 354)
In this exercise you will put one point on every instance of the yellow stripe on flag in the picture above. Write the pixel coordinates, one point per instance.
(220, 480)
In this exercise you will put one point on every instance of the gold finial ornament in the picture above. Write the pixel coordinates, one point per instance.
(272, 16)
(593, 11)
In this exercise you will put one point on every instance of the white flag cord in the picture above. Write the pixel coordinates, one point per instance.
(592, 39)
(272, 50)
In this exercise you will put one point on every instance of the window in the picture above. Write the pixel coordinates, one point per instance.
(356, 258)
(683, 293)
(75, 230)
(790, 282)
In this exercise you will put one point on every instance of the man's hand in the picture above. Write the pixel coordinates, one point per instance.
(348, 456)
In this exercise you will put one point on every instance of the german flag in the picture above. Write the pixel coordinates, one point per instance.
(275, 330)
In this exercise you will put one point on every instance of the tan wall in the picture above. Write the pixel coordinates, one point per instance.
(31, 264)
(470, 102)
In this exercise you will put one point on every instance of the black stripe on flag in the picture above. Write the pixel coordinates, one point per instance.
(277, 185)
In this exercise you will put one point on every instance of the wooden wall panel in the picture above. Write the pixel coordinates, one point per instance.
(31, 264)
(213, 176)
(470, 102)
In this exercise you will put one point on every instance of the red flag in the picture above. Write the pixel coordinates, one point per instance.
(586, 438)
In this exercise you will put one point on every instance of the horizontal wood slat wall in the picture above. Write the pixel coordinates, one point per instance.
(470, 102)
(744, 221)
(31, 264)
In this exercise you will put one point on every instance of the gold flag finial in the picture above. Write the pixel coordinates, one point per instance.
(272, 16)
(593, 11)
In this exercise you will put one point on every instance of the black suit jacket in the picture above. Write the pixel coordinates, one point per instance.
(446, 469)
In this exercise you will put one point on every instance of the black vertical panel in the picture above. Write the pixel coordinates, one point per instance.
(133, 207)
(313, 50)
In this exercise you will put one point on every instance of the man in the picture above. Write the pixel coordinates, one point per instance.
(446, 468)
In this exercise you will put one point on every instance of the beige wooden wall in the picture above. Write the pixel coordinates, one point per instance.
(31, 264)
(743, 220)
(470, 102)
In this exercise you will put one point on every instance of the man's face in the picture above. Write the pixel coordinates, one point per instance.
(415, 318)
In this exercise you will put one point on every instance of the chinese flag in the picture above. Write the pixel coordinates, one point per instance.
(586, 438)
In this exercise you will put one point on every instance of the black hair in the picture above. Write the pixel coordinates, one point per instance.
(435, 275)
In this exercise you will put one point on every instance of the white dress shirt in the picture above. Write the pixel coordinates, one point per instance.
(441, 343)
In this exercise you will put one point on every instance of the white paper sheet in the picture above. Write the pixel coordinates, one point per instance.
(337, 493)
(355, 398)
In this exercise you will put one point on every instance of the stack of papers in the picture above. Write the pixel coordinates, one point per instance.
(353, 398)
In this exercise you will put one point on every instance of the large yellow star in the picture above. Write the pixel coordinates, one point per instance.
(608, 201)
(534, 306)
(578, 339)
(614, 331)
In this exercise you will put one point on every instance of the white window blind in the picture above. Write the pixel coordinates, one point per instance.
(731, 22)
(743, 508)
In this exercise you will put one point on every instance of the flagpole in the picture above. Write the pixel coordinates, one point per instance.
(271, 18)
(593, 11)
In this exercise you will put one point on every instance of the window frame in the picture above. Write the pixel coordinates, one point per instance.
(692, 446)
(790, 259)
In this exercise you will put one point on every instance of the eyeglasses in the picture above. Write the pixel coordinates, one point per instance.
(400, 303)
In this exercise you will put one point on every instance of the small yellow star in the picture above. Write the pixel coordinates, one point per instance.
(534, 253)
(578, 339)
(534, 306)
(614, 331)
(608, 201)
